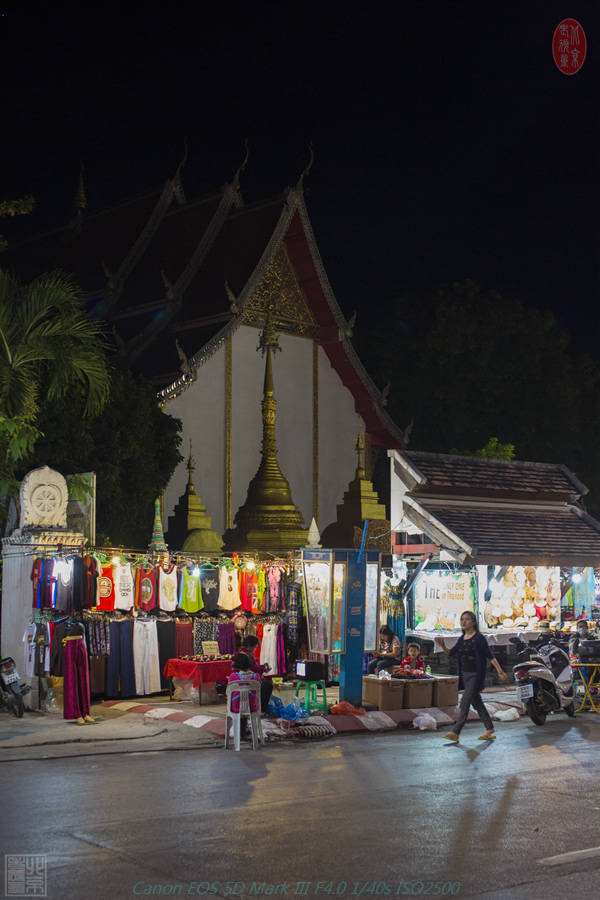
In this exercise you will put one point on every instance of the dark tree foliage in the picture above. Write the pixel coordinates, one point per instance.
(468, 364)
(132, 446)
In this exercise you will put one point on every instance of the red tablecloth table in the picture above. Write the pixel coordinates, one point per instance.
(200, 672)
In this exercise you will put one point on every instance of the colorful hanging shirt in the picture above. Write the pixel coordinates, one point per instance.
(229, 592)
(145, 588)
(106, 589)
(124, 592)
(190, 591)
(167, 588)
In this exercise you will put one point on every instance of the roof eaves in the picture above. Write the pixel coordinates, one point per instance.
(387, 422)
(443, 532)
(216, 342)
(585, 516)
(416, 477)
(173, 302)
(580, 486)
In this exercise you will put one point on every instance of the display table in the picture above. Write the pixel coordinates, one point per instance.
(200, 672)
(445, 640)
(590, 676)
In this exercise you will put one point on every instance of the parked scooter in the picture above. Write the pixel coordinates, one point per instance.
(11, 691)
(544, 679)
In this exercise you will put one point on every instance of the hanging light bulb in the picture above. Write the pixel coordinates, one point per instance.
(250, 564)
(116, 560)
(196, 572)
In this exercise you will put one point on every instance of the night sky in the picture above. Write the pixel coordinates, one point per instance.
(447, 143)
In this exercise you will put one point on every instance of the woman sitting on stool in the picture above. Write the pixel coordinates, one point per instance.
(390, 651)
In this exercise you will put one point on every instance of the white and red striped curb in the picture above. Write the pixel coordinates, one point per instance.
(278, 729)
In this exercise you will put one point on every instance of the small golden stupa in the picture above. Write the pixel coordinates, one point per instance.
(269, 519)
(360, 502)
(190, 528)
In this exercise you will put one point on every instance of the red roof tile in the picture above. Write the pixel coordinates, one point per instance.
(558, 535)
(446, 474)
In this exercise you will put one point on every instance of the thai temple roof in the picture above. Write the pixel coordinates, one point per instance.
(173, 278)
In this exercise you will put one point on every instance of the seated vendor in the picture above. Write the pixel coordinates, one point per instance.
(413, 664)
(581, 634)
(390, 651)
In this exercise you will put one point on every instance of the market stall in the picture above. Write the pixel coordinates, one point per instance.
(146, 617)
(505, 539)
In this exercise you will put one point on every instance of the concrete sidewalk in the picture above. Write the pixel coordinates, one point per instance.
(162, 723)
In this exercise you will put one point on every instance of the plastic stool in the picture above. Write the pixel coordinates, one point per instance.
(244, 688)
(310, 702)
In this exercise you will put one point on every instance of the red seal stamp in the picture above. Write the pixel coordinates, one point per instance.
(569, 46)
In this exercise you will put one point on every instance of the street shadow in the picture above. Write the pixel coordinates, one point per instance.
(473, 823)
(472, 753)
(549, 734)
(248, 769)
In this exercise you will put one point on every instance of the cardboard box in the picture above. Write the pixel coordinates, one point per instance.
(445, 690)
(418, 693)
(384, 693)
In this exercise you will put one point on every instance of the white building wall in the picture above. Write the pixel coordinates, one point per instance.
(202, 410)
(338, 429)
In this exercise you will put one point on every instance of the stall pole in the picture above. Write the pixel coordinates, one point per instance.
(351, 660)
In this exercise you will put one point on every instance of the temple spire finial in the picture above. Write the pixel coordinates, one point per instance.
(191, 465)
(306, 170)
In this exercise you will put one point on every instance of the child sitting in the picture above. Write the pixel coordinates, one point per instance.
(413, 664)
(242, 671)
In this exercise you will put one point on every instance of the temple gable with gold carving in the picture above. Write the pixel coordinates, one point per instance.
(186, 286)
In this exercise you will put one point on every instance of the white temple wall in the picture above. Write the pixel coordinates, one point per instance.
(338, 429)
(202, 410)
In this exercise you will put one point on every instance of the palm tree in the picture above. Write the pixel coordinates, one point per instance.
(48, 344)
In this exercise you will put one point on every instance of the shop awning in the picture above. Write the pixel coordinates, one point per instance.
(508, 533)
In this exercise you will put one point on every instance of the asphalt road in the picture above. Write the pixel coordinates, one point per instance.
(397, 814)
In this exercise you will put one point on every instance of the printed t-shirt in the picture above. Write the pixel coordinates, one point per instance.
(146, 588)
(190, 592)
(209, 581)
(106, 589)
(249, 590)
(123, 587)
(29, 649)
(167, 588)
(229, 592)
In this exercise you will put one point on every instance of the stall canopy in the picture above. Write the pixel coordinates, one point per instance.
(493, 511)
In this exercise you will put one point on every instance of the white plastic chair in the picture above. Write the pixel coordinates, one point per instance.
(244, 688)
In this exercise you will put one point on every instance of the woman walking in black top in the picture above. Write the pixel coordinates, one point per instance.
(473, 654)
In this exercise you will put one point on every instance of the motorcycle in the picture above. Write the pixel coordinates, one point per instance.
(11, 691)
(544, 679)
